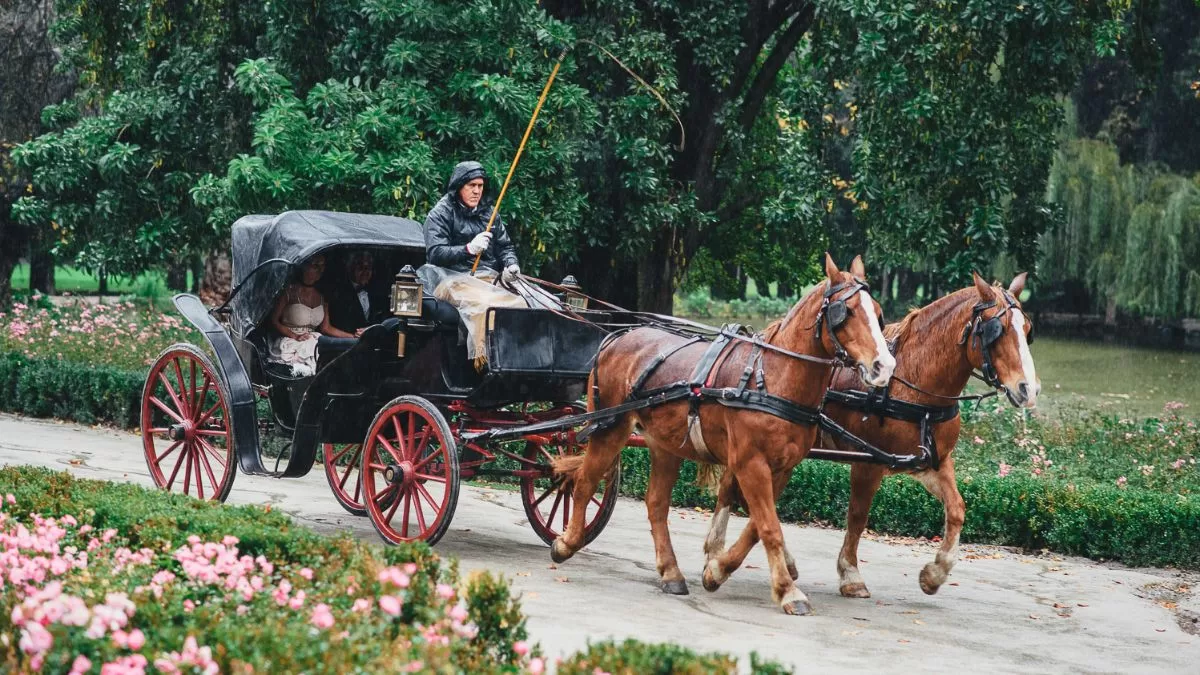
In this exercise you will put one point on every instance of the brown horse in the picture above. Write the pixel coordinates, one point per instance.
(760, 448)
(937, 348)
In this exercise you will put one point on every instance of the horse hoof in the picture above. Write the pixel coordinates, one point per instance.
(710, 578)
(559, 552)
(855, 590)
(797, 608)
(676, 587)
(931, 579)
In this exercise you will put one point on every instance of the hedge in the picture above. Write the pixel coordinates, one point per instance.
(444, 624)
(1133, 526)
(45, 387)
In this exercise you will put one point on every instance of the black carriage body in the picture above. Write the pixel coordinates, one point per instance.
(534, 355)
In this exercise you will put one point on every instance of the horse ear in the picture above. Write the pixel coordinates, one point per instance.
(981, 286)
(1017, 285)
(857, 268)
(831, 269)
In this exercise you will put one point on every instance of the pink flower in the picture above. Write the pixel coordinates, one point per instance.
(81, 665)
(1005, 469)
(536, 666)
(306, 573)
(445, 592)
(188, 606)
(361, 605)
(1177, 464)
(979, 441)
(458, 613)
(1121, 482)
(390, 604)
(10, 498)
(521, 647)
(35, 639)
(136, 639)
(410, 569)
(322, 617)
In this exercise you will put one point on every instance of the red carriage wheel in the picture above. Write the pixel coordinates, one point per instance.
(186, 432)
(410, 475)
(548, 501)
(343, 467)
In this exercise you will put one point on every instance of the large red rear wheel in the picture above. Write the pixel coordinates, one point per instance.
(186, 433)
(343, 468)
(410, 475)
(549, 500)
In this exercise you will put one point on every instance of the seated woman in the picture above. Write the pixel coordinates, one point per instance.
(298, 317)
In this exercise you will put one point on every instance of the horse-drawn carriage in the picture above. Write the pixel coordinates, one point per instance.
(390, 414)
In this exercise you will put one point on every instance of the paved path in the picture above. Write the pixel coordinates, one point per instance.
(1002, 612)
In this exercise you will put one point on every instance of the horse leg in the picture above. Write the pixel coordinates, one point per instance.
(664, 472)
(603, 450)
(714, 543)
(942, 484)
(758, 487)
(864, 482)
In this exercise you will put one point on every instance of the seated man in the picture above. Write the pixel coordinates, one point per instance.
(455, 229)
(356, 304)
(455, 233)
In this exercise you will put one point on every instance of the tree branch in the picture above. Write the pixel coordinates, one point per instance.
(764, 79)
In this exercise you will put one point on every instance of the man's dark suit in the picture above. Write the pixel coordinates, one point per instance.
(346, 312)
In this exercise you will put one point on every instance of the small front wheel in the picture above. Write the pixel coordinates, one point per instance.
(187, 436)
(410, 474)
(343, 462)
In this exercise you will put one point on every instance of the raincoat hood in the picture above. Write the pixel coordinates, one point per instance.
(463, 173)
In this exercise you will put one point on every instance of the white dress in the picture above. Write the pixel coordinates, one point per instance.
(301, 355)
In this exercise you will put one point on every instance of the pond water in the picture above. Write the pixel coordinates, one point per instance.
(1083, 374)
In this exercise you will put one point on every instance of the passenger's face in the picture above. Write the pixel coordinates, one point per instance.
(313, 270)
(471, 193)
(362, 271)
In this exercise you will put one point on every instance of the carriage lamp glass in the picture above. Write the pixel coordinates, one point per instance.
(573, 293)
(406, 293)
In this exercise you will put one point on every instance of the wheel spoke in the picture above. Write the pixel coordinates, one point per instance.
(425, 435)
(547, 493)
(208, 413)
(567, 511)
(380, 497)
(408, 442)
(345, 477)
(187, 471)
(220, 457)
(171, 448)
(554, 509)
(358, 488)
(407, 500)
(212, 478)
(391, 451)
(178, 463)
(420, 511)
(436, 479)
(184, 407)
(399, 437)
(211, 432)
(347, 448)
(199, 478)
(202, 397)
(392, 511)
(163, 407)
(429, 458)
(192, 403)
(377, 467)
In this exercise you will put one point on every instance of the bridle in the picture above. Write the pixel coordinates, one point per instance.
(984, 332)
(834, 312)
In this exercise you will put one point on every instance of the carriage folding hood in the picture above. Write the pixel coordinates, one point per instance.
(265, 249)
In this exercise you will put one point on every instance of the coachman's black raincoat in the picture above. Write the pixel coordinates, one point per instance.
(450, 226)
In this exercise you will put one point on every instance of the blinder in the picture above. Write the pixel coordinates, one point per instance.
(834, 312)
(837, 313)
(987, 332)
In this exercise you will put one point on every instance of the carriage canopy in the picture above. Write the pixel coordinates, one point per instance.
(267, 248)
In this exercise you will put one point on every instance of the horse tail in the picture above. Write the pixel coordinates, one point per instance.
(708, 476)
(567, 466)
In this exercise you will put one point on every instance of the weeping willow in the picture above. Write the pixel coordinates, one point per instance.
(1130, 234)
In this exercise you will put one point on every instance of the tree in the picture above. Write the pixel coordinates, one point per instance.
(27, 84)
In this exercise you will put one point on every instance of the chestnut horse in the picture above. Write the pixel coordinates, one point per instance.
(937, 348)
(760, 448)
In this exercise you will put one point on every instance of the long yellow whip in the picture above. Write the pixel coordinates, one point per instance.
(513, 167)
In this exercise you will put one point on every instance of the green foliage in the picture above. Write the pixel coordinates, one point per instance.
(49, 387)
(1130, 233)
(631, 656)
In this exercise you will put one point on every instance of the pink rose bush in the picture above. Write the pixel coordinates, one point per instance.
(88, 333)
(75, 598)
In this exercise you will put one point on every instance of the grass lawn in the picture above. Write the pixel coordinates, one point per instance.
(69, 279)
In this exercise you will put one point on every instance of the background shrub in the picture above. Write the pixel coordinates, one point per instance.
(48, 387)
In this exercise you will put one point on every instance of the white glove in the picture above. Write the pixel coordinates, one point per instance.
(480, 243)
(510, 274)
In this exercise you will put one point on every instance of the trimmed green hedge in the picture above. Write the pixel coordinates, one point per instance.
(44, 387)
(1136, 527)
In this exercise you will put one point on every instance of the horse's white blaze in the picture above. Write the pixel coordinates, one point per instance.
(887, 362)
(1018, 324)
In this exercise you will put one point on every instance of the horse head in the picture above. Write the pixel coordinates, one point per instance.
(849, 323)
(997, 340)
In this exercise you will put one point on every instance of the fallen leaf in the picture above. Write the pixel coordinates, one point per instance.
(530, 595)
(910, 611)
(903, 642)
(552, 566)
(75, 462)
(953, 583)
(1161, 630)
(562, 580)
(919, 622)
(522, 574)
(1034, 616)
(752, 567)
(851, 632)
(1059, 605)
(1081, 604)
(1168, 604)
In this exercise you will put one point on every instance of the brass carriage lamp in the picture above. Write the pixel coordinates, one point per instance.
(573, 293)
(406, 293)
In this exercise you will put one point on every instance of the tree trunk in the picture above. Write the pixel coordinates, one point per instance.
(218, 279)
(1110, 311)
(6, 269)
(177, 276)
(102, 289)
(41, 271)
(196, 264)
(656, 276)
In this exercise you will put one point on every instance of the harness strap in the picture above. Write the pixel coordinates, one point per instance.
(700, 377)
(891, 408)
